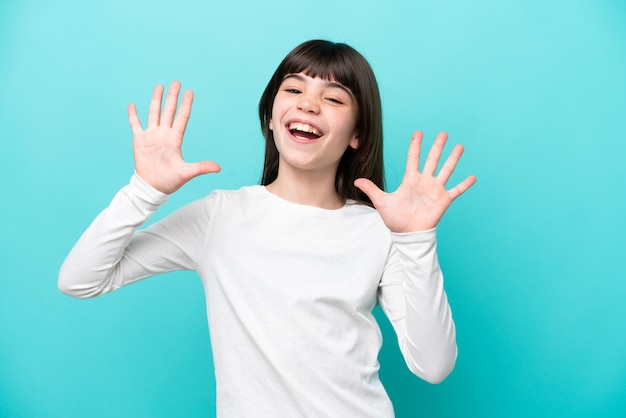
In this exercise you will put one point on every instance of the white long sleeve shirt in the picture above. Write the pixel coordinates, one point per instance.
(289, 293)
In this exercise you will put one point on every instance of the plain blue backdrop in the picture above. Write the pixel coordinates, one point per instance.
(533, 254)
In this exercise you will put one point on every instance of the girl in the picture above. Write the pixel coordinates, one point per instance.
(292, 268)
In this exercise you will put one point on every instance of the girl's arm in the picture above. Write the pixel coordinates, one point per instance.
(110, 253)
(411, 291)
(412, 296)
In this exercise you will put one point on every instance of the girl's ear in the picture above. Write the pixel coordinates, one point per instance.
(270, 125)
(354, 142)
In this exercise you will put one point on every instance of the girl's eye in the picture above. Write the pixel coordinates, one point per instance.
(293, 91)
(334, 100)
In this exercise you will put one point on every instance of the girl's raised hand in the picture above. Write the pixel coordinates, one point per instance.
(157, 149)
(422, 199)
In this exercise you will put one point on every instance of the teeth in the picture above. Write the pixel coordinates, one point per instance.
(303, 127)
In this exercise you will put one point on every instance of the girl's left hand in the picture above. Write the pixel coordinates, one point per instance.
(422, 199)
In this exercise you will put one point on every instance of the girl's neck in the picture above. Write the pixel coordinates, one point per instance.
(307, 189)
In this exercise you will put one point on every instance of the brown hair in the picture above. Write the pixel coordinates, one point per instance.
(341, 63)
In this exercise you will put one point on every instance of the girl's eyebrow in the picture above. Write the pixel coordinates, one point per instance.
(329, 83)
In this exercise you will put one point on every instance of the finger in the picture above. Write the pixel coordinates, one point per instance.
(462, 187)
(371, 190)
(169, 109)
(154, 113)
(180, 122)
(413, 157)
(133, 119)
(432, 160)
(450, 164)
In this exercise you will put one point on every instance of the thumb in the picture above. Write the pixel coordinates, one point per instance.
(202, 167)
(371, 190)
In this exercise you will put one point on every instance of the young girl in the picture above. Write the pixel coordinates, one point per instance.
(292, 268)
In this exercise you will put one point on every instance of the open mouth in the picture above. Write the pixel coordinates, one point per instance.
(303, 131)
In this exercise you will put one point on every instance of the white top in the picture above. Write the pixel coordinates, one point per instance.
(290, 291)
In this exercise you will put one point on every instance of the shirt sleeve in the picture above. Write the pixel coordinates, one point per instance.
(412, 296)
(112, 252)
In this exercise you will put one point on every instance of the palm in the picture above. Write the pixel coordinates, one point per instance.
(157, 149)
(421, 199)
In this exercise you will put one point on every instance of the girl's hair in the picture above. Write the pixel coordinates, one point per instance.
(343, 64)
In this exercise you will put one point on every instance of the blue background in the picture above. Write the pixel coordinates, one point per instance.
(533, 255)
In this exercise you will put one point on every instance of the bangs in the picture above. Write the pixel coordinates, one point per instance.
(329, 62)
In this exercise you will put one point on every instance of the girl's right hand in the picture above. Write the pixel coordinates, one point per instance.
(157, 149)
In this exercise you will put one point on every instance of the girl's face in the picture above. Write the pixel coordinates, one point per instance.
(313, 122)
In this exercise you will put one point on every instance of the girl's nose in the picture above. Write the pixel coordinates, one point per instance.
(308, 104)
